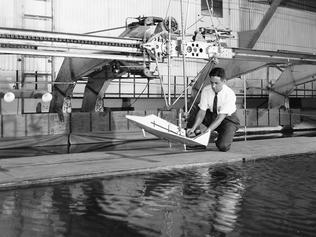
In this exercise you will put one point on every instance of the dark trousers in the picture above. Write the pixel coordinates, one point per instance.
(226, 130)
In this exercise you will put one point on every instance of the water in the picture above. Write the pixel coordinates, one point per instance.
(273, 197)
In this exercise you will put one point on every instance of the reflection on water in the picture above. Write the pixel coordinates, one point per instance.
(273, 197)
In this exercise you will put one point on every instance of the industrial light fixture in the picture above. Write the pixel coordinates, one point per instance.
(9, 97)
(47, 97)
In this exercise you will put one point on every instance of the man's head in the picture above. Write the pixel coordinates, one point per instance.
(217, 78)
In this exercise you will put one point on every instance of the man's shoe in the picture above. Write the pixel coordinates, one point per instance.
(197, 147)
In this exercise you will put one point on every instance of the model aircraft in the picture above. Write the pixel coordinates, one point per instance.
(168, 131)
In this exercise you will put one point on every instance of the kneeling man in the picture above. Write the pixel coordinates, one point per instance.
(216, 110)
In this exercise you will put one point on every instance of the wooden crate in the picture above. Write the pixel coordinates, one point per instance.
(285, 119)
(308, 115)
(241, 115)
(251, 118)
(295, 116)
(130, 124)
(118, 121)
(274, 117)
(263, 117)
(14, 125)
(55, 126)
(80, 122)
(37, 124)
(100, 121)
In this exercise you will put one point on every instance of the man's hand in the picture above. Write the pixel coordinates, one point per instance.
(190, 132)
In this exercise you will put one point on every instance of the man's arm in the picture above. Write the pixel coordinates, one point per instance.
(198, 120)
(219, 119)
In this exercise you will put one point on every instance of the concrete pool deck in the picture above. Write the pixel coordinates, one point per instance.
(139, 157)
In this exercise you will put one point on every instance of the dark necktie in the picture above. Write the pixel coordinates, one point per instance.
(215, 104)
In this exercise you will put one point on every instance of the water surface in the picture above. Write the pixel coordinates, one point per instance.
(272, 197)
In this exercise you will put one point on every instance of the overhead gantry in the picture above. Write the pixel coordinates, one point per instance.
(147, 41)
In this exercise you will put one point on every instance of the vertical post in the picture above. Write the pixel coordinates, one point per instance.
(134, 86)
(52, 59)
(90, 121)
(169, 62)
(16, 79)
(22, 84)
(161, 89)
(119, 81)
(245, 106)
(183, 60)
(268, 84)
(1, 119)
(174, 86)
(36, 80)
(268, 78)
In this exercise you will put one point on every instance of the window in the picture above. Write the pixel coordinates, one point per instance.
(217, 7)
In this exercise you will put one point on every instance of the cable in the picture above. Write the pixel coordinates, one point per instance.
(167, 11)
(161, 83)
(140, 93)
(186, 17)
(195, 22)
(210, 11)
(98, 31)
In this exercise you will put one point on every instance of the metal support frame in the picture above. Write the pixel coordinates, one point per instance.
(245, 106)
(264, 22)
(183, 46)
(43, 43)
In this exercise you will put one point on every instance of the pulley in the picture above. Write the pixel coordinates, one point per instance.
(174, 24)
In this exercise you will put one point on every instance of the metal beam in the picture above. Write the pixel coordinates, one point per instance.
(44, 43)
(274, 57)
(46, 40)
(265, 20)
(103, 55)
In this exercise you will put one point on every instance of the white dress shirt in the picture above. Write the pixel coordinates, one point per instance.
(226, 100)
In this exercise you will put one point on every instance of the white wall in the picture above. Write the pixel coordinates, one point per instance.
(288, 29)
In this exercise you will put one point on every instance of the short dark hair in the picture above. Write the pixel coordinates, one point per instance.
(218, 72)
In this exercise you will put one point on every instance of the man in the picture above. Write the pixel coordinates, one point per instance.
(217, 110)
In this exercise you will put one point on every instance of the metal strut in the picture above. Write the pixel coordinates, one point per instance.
(22, 35)
(46, 43)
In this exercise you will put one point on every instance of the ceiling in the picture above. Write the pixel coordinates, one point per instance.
(307, 5)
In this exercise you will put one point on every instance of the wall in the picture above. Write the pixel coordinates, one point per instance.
(289, 29)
